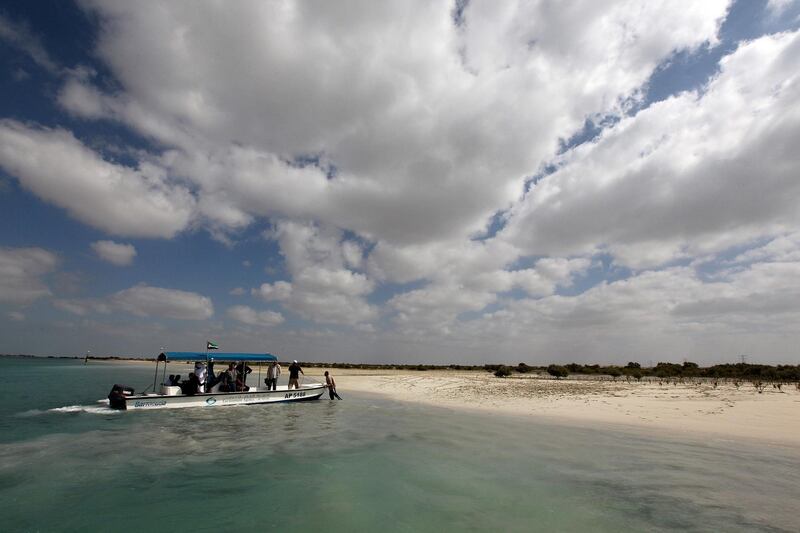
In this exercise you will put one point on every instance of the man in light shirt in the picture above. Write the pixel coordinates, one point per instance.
(200, 372)
(273, 373)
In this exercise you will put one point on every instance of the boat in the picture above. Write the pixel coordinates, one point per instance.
(170, 396)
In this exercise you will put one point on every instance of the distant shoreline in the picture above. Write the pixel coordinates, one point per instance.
(633, 371)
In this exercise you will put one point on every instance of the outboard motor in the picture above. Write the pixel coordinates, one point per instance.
(118, 396)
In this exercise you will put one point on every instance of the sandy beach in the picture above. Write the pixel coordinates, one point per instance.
(724, 411)
(691, 408)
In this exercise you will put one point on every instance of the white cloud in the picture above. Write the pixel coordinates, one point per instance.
(21, 273)
(146, 301)
(252, 317)
(115, 253)
(322, 289)
(278, 291)
(437, 306)
(80, 99)
(58, 168)
(378, 139)
(353, 254)
(660, 315)
(781, 248)
(237, 291)
(691, 175)
(430, 132)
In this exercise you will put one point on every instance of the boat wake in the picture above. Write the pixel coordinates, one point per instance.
(91, 409)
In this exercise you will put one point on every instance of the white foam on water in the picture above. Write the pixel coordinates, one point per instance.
(93, 409)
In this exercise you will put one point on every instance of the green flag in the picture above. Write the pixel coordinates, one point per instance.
(211, 346)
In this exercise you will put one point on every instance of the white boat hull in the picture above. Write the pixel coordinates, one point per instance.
(218, 399)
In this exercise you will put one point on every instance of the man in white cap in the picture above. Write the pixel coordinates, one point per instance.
(294, 374)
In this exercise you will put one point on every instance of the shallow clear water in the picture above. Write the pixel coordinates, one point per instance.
(362, 464)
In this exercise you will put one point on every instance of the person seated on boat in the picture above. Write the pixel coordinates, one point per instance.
(200, 372)
(241, 386)
(241, 376)
(174, 380)
(227, 379)
(190, 386)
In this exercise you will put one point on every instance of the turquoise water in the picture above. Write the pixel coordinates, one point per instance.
(362, 464)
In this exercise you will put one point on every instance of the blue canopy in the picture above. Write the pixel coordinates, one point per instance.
(217, 356)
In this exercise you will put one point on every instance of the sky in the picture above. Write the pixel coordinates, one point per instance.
(447, 182)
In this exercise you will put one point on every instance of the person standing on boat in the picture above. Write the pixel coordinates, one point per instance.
(273, 373)
(241, 376)
(227, 379)
(294, 374)
(200, 372)
(331, 384)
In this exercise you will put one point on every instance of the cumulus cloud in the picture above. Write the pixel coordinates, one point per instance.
(115, 253)
(323, 288)
(655, 315)
(781, 248)
(280, 291)
(146, 301)
(380, 151)
(694, 174)
(252, 317)
(58, 168)
(429, 133)
(437, 306)
(21, 274)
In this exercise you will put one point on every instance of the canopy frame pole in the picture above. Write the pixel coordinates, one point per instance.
(155, 376)
(205, 385)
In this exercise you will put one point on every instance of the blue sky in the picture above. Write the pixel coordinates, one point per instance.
(600, 184)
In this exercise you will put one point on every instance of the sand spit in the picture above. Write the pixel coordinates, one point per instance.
(690, 407)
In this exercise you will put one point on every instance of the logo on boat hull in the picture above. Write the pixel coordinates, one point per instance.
(149, 403)
(211, 401)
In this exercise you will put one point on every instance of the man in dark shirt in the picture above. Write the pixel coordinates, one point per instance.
(241, 376)
(190, 386)
(294, 374)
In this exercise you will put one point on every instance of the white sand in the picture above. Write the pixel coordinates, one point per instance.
(678, 408)
(691, 408)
